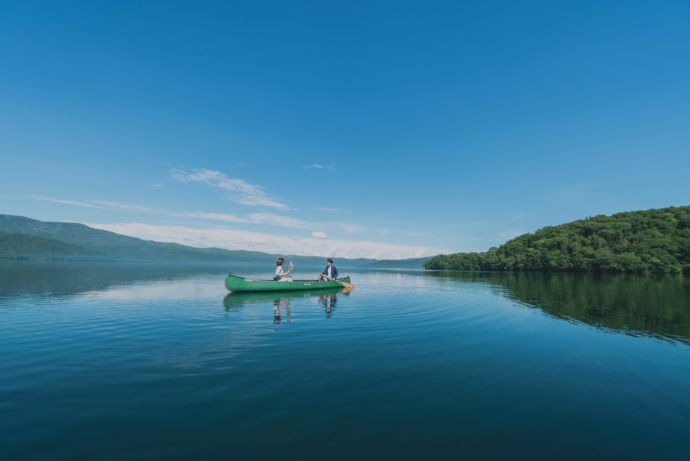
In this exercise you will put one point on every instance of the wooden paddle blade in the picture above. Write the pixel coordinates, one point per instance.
(347, 286)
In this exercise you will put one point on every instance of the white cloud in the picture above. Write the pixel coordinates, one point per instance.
(318, 166)
(260, 201)
(121, 206)
(415, 234)
(265, 219)
(212, 217)
(296, 223)
(331, 210)
(279, 220)
(272, 243)
(67, 202)
(319, 235)
(349, 228)
(241, 191)
(276, 220)
(97, 204)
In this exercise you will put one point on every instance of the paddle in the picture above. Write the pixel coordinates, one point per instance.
(347, 286)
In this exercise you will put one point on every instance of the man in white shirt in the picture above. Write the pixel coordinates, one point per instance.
(330, 272)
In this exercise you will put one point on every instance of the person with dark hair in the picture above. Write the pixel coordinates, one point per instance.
(330, 272)
(281, 274)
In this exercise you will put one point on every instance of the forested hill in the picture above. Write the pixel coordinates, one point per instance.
(30, 246)
(38, 239)
(638, 241)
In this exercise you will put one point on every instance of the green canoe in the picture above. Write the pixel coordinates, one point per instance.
(235, 283)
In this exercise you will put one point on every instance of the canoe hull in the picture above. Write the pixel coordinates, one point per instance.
(236, 284)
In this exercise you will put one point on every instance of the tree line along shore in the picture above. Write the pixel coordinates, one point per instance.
(651, 241)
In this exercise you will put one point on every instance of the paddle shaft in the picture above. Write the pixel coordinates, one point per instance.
(349, 286)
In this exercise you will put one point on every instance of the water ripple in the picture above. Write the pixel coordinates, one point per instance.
(175, 367)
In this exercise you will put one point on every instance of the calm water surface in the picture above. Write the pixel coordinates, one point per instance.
(147, 362)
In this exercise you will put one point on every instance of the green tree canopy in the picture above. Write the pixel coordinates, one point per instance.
(637, 241)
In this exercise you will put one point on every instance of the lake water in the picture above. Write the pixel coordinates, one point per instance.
(150, 362)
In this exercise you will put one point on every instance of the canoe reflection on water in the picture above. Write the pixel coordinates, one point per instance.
(281, 301)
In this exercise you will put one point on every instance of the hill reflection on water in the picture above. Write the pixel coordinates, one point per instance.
(68, 279)
(632, 304)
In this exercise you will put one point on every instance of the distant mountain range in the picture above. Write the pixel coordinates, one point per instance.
(25, 238)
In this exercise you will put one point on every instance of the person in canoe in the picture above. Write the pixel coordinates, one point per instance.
(330, 272)
(281, 274)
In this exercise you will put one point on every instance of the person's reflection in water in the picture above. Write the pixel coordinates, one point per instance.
(278, 305)
(329, 302)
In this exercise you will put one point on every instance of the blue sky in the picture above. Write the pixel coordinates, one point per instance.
(367, 129)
